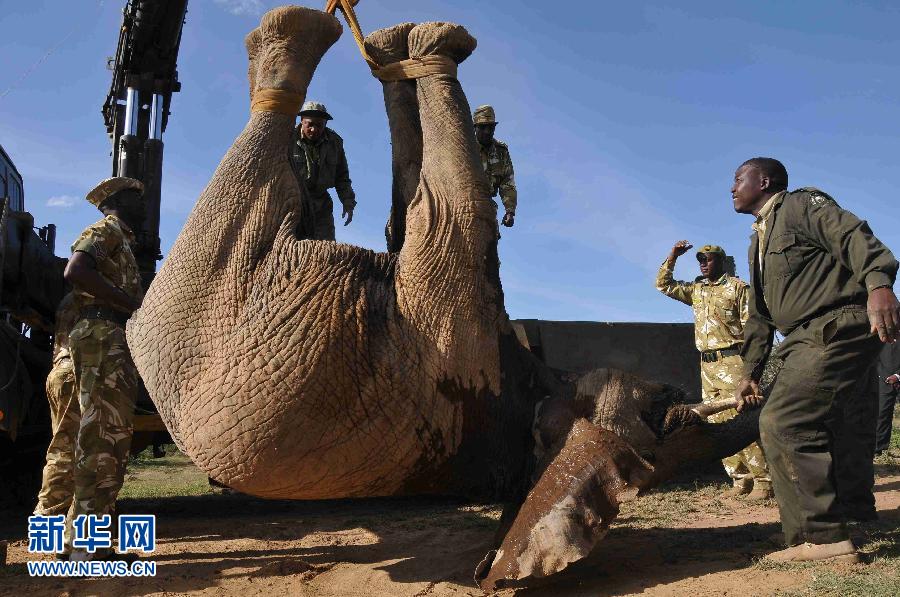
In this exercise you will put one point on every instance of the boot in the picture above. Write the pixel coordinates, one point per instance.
(762, 491)
(741, 487)
(842, 551)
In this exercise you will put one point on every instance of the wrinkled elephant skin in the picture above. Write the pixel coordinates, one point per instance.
(291, 368)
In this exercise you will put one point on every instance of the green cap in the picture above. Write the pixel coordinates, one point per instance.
(315, 109)
(711, 249)
(484, 115)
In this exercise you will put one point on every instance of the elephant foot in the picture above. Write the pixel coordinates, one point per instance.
(444, 39)
(570, 508)
(390, 44)
(292, 41)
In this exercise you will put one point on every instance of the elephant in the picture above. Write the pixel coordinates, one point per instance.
(303, 369)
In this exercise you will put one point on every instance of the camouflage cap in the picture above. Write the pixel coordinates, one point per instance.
(484, 115)
(314, 109)
(711, 249)
(107, 188)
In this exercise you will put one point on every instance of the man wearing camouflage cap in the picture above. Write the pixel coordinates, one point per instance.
(106, 288)
(319, 162)
(496, 161)
(720, 304)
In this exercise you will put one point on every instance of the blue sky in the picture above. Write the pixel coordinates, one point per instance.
(625, 121)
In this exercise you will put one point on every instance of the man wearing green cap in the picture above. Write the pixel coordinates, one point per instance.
(106, 289)
(720, 312)
(496, 162)
(319, 162)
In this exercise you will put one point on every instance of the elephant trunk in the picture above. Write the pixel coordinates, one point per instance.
(698, 442)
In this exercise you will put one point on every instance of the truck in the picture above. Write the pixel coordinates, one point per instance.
(31, 287)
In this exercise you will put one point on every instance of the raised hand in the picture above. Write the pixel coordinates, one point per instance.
(680, 248)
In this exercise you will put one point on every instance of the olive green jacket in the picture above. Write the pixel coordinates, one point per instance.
(329, 167)
(817, 257)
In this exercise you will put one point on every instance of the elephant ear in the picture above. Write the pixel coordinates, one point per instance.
(569, 509)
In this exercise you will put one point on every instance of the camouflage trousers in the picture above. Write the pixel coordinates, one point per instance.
(58, 482)
(106, 382)
(719, 380)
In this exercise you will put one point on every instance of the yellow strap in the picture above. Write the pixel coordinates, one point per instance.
(412, 68)
(346, 7)
(276, 100)
(416, 68)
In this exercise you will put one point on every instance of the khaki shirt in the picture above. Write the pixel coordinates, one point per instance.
(110, 243)
(498, 166)
(814, 258)
(720, 306)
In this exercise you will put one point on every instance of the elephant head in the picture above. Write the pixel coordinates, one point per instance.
(589, 470)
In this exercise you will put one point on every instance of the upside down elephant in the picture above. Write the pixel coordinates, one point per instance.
(291, 368)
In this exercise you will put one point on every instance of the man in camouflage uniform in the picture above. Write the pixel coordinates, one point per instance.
(821, 278)
(720, 312)
(58, 481)
(319, 162)
(107, 289)
(496, 162)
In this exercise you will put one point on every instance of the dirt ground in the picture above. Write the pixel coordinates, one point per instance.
(680, 540)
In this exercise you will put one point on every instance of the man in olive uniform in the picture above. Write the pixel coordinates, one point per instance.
(496, 162)
(107, 289)
(720, 311)
(58, 483)
(821, 278)
(318, 160)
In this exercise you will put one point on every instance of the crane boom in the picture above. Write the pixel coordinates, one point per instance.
(136, 111)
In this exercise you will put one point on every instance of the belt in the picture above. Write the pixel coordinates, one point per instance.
(711, 356)
(105, 313)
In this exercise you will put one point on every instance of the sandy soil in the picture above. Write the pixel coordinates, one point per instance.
(676, 542)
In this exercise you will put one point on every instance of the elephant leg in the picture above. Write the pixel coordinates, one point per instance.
(450, 222)
(387, 46)
(191, 340)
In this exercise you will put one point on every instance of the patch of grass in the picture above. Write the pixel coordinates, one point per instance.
(169, 476)
(671, 504)
(889, 461)
(879, 578)
(866, 582)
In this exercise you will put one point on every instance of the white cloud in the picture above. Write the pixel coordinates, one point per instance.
(64, 201)
(242, 7)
